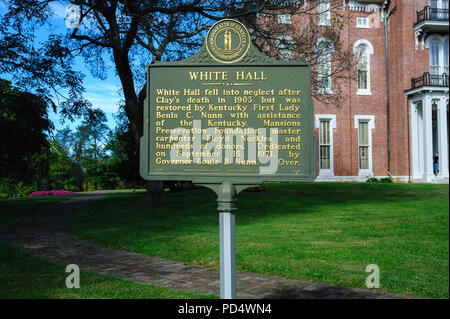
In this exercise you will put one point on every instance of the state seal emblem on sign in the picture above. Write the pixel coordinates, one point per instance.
(228, 41)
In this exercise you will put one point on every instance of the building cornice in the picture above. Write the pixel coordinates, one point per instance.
(425, 89)
(358, 6)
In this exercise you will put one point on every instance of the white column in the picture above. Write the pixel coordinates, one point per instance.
(415, 141)
(443, 143)
(428, 175)
(420, 140)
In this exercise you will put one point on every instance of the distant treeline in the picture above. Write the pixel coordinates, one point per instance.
(34, 156)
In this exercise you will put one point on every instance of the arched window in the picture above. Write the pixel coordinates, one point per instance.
(363, 68)
(363, 49)
(324, 48)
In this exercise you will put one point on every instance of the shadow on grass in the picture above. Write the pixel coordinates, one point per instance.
(199, 206)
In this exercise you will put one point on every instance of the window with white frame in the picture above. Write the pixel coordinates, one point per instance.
(439, 4)
(285, 47)
(365, 124)
(324, 49)
(363, 140)
(324, 77)
(324, 14)
(436, 7)
(284, 18)
(362, 22)
(326, 123)
(363, 49)
(325, 144)
(363, 68)
(434, 57)
(438, 51)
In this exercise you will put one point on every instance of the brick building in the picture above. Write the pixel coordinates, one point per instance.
(395, 113)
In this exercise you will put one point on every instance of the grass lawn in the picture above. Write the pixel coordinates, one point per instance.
(24, 276)
(323, 232)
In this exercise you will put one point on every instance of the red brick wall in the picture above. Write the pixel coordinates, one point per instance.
(405, 62)
(346, 135)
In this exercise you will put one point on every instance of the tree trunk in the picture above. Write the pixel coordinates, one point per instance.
(134, 106)
(155, 191)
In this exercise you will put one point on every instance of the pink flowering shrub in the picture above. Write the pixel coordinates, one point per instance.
(52, 193)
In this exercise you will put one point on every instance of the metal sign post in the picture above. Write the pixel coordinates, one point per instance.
(227, 207)
(227, 255)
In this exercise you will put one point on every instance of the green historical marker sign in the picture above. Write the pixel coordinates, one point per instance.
(228, 114)
(228, 118)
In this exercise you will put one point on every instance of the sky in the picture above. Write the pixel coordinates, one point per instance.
(103, 94)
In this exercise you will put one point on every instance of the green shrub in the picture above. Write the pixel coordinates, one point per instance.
(6, 187)
(386, 180)
(23, 189)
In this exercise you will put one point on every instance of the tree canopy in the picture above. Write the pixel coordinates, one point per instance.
(23, 127)
(132, 34)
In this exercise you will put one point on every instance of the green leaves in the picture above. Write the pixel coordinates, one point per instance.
(23, 127)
